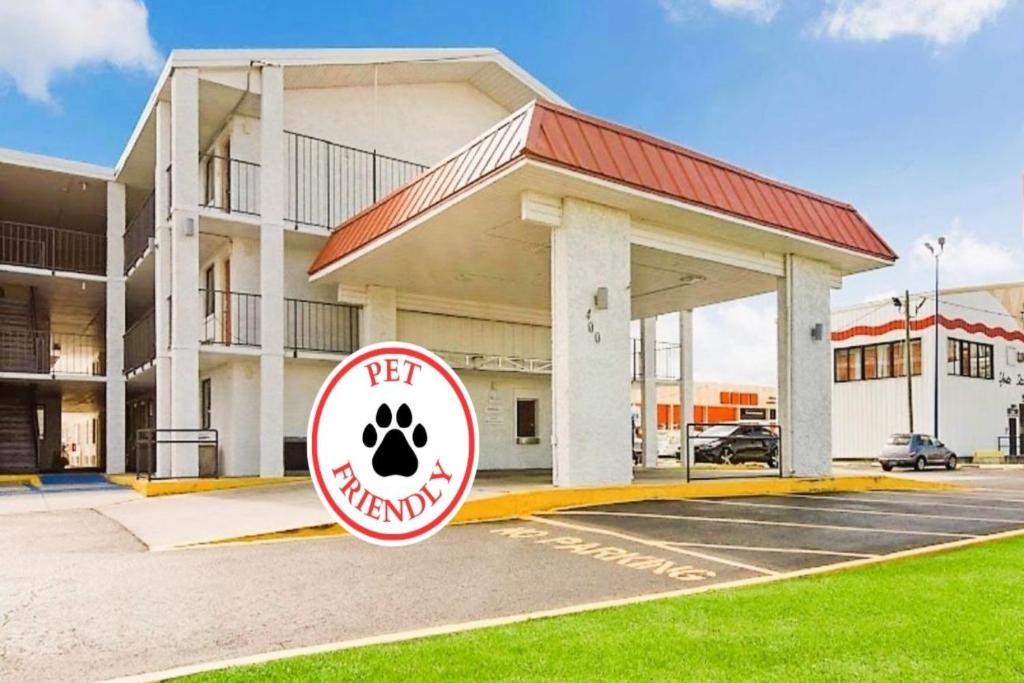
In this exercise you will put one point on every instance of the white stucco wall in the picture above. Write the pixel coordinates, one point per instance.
(466, 334)
(421, 123)
(494, 396)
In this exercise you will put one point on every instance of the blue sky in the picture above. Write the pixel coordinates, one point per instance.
(912, 110)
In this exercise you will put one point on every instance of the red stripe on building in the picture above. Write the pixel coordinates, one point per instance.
(924, 323)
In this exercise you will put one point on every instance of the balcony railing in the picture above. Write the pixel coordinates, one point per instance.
(328, 183)
(42, 246)
(51, 353)
(139, 232)
(140, 342)
(666, 361)
(229, 185)
(230, 318)
(321, 326)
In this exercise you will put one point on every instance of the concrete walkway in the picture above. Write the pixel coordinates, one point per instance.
(72, 491)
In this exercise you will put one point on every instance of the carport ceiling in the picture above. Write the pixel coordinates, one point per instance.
(481, 251)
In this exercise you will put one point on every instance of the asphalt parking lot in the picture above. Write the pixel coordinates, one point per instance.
(82, 599)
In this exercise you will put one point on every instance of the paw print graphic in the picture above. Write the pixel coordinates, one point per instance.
(394, 454)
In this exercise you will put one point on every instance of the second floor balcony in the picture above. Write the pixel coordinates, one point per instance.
(53, 249)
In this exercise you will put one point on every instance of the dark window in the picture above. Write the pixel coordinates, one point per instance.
(205, 403)
(876, 361)
(526, 418)
(969, 359)
(208, 281)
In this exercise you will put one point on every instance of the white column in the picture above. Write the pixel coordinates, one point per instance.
(805, 368)
(162, 283)
(649, 391)
(185, 299)
(685, 376)
(272, 272)
(115, 408)
(380, 315)
(591, 347)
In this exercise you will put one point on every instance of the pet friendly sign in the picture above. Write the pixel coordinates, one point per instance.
(393, 443)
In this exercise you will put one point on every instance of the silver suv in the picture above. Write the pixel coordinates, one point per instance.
(917, 451)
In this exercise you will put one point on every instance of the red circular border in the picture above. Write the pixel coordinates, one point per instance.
(351, 363)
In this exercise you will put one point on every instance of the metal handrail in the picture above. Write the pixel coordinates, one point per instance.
(666, 360)
(321, 326)
(51, 248)
(230, 318)
(230, 185)
(329, 182)
(140, 342)
(146, 439)
(139, 232)
(51, 353)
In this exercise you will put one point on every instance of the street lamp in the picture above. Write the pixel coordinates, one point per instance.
(936, 252)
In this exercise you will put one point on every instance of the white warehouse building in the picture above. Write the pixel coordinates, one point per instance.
(276, 209)
(980, 370)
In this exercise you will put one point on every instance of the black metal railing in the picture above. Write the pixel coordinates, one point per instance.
(51, 353)
(666, 360)
(321, 326)
(229, 185)
(42, 246)
(328, 183)
(139, 232)
(148, 440)
(1012, 448)
(140, 342)
(230, 318)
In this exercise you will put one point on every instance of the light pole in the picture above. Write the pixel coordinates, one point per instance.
(936, 252)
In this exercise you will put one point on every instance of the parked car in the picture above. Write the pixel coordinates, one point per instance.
(917, 451)
(735, 444)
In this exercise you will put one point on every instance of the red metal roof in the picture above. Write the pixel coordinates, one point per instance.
(563, 137)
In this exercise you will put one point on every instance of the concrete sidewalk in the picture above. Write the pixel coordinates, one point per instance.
(293, 509)
(71, 491)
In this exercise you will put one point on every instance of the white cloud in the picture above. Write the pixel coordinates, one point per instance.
(941, 22)
(736, 342)
(40, 39)
(757, 10)
(968, 258)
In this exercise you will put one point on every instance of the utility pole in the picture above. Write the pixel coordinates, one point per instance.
(936, 252)
(906, 358)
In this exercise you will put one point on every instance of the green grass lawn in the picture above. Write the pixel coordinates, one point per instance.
(954, 616)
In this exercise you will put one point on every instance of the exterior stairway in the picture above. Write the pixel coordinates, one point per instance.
(22, 349)
(17, 431)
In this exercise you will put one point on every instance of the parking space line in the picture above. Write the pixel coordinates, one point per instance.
(759, 522)
(819, 508)
(901, 501)
(763, 549)
(661, 545)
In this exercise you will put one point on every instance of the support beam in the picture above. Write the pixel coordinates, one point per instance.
(591, 346)
(162, 286)
(685, 377)
(649, 391)
(185, 300)
(272, 272)
(380, 315)
(805, 368)
(115, 399)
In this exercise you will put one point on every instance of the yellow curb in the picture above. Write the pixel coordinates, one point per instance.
(511, 505)
(170, 487)
(20, 480)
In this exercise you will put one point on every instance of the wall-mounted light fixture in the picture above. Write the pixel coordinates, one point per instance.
(601, 299)
(818, 332)
(190, 227)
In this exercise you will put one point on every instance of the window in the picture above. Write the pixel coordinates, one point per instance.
(205, 404)
(208, 280)
(526, 421)
(969, 359)
(876, 361)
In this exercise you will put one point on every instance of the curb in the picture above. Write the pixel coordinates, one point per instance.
(511, 505)
(171, 487)
(20, 480)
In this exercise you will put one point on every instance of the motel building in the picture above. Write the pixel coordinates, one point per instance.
(273, 210)
(980, 341)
